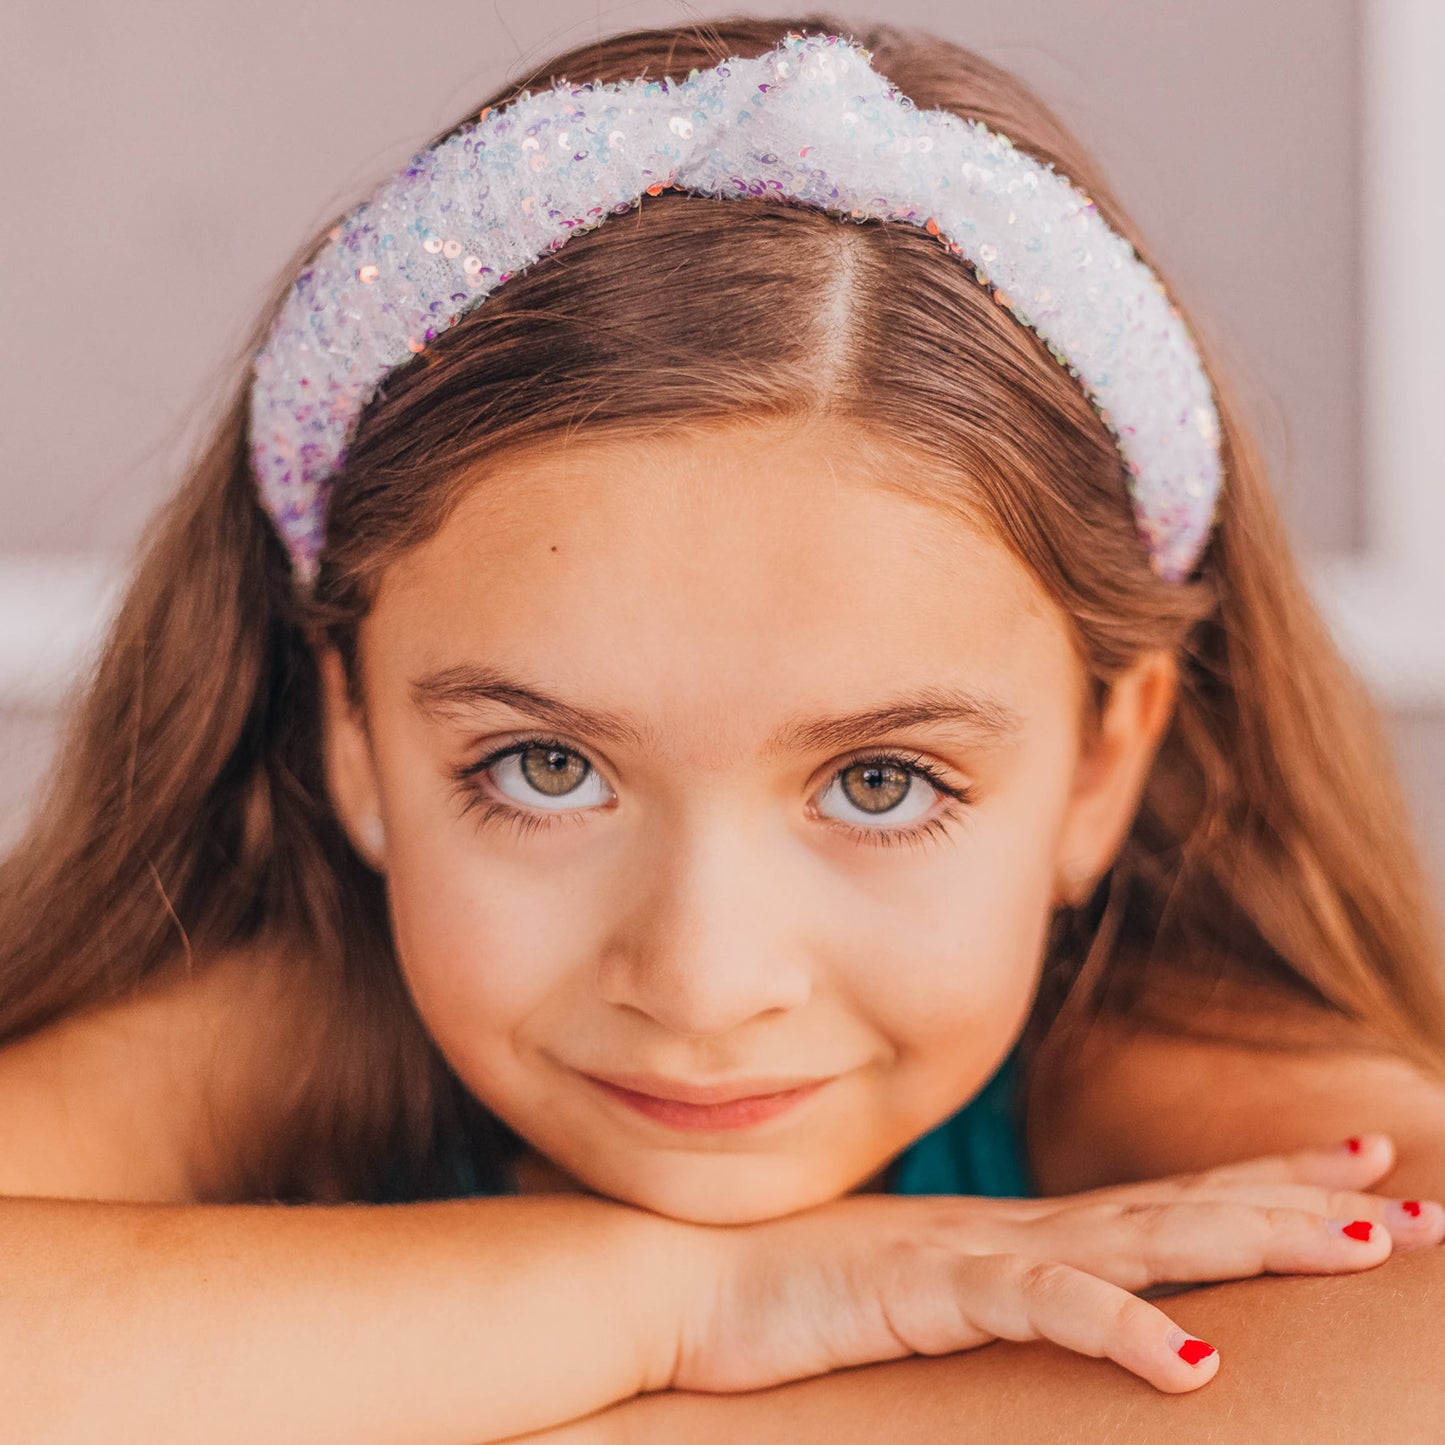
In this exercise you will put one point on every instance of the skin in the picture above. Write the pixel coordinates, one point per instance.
(698, 905)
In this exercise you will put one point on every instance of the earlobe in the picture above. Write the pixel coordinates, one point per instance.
(1074, 884)
(373, 834)
(350, 770)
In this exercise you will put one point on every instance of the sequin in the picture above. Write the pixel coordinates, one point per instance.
(810, 122)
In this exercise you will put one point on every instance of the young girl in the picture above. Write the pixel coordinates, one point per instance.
(639, 757)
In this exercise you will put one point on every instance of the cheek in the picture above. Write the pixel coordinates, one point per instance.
(964, 944)
(483, 947)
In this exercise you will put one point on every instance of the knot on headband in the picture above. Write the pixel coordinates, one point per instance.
(810, 122)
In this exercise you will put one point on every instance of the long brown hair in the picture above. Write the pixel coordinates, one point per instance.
(1270, 869)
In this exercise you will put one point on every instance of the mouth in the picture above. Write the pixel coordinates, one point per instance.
(702, 1107)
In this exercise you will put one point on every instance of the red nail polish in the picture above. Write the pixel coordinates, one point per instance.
(1411, 1207)
(1192, 1351)
(1353, 1145)
(1358, 1229)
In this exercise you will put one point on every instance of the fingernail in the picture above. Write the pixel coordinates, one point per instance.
(1190, 1350)
(1404, 1212)
(1353, 1228)
(1353, 1145)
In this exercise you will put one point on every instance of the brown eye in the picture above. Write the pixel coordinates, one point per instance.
(876, 787)
(883, 788)
(534, 772)
(552, 771)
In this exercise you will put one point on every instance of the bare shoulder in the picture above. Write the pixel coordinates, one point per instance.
(1136, 1104)
(139, 1100)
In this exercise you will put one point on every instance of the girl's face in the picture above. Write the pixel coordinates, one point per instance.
(705, 762)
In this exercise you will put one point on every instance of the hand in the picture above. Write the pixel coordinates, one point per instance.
(868, 1278)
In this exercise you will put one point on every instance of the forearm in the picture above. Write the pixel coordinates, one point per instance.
(451, 1323)
(1302, 1358)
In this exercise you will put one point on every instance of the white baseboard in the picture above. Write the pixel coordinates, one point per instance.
(1390, 623)
(53, 613)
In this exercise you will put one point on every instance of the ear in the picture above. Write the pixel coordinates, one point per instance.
(350, 767)
(1113, 767)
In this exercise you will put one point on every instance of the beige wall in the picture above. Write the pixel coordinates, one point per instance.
(189, 149)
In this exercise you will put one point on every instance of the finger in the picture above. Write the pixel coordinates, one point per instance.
(1135, 1246)
(1347, 1164)
(1309, 1179)
(1413, 1223)
(1014, 1297)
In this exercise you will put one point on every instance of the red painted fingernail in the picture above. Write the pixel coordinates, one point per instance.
(1404, 1212)
(1354, 1145)
(1190, 1350)
(1354, 1229)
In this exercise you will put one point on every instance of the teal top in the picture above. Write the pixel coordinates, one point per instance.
(979, 1150)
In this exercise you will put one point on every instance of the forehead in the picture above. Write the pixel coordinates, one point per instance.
(752, 569)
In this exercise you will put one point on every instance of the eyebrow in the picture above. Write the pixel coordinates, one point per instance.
(452, 692)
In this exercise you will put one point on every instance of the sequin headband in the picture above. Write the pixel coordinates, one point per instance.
(810, 122)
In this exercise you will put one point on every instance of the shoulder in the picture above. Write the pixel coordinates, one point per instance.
(1136, 1103)
(145, 1099)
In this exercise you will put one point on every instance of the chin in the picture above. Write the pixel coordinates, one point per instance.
(712, 1192)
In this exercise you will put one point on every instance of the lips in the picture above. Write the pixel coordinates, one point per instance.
(726, 1092)
(733, 1113)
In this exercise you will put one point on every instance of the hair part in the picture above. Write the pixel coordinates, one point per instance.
(1270, 869)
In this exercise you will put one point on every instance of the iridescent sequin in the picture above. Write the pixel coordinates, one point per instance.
(809, 122)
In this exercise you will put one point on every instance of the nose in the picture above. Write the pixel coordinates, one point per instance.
(713, 941)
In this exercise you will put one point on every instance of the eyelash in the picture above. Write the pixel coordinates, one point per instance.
(527, 823)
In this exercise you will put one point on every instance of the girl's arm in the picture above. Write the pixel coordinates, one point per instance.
(1346, 1357)
(476, 1320)
(459, 1321)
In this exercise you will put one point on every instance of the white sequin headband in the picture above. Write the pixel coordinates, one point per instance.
(809, 122)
